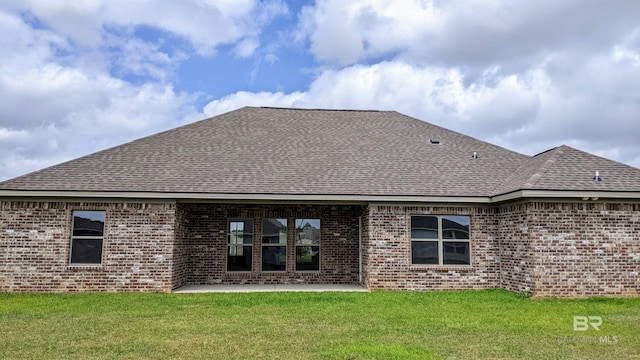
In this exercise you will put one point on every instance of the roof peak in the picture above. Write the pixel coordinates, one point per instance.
(317, 109)
(546, 151)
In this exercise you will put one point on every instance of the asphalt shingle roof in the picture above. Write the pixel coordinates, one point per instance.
(566, 168)
(323, 152)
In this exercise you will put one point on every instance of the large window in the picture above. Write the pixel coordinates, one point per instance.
(87, 236)
(307, 244)
(440, 240)
(240, 245)
(274, 244)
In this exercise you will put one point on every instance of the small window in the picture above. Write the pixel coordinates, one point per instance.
(307, 244)
(440, 240)
(240, 245)
(87, 237)
(274, 244)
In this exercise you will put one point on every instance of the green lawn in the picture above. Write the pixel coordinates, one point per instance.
(378, 325)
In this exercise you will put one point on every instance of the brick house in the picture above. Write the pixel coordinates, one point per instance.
(292, 196)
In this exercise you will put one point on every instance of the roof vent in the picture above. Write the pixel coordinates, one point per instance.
(597, 178)
(475, 155)
(434, 141)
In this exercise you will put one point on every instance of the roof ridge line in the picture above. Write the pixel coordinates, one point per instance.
(530, 182)
(556, 153)
(320, 109)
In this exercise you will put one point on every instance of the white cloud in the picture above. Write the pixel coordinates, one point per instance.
(591, 103)
(434, 94)
(246, 47)
(271, 58)
(347, 31)
(26, 47)
(145, 59)
(93, 113)
(62, 71)
(53, 109)
(244, 98)
(204, 24)
(470, 34)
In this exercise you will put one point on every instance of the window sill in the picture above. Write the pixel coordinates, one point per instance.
(440, 267)
(93, 267)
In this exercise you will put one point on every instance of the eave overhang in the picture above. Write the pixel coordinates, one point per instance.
(565, 194)
(187, 197)
(337, 198)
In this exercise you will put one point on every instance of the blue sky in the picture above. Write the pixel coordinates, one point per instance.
(77, 77)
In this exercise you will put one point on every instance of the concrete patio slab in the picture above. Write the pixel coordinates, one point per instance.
(269, 288)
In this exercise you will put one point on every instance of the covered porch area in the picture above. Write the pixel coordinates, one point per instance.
(268, 247)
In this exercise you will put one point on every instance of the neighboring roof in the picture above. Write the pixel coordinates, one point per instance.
(322, 152)
(567, 169)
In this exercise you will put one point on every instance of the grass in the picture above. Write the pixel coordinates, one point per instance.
(379, 325)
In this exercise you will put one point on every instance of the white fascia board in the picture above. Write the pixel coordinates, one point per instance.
(240, 197)
(565, 194)
(208, 197)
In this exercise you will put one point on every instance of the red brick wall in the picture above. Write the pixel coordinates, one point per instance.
(180, 248)
(585, 248)
(547, 248)
(552, 248)
(35, 241)
(514, 245)
(388, 249)
(365, 233)
(207, 243)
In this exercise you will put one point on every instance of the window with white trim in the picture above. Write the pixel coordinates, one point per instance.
(87, 236)
(440, 240)
(240, 245)
(307, 244)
